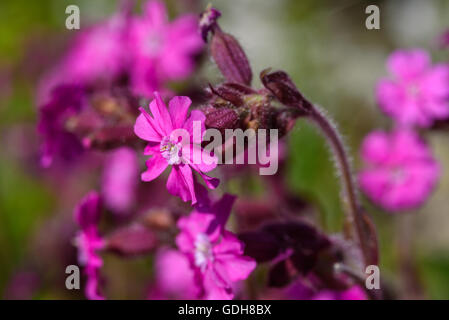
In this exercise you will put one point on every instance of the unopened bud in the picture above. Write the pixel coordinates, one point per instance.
(230, 58)
(222, 118)
(283, 88)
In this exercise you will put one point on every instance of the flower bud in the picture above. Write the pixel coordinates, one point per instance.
(222, 118)
(230, 58)
(283, 88)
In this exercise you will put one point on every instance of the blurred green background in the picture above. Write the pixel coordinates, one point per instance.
(332, 57)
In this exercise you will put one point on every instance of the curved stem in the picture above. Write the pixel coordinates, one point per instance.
(354, 216)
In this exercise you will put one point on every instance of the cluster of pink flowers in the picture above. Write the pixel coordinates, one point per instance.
(96, 100)
(150, 52)
(400, 171)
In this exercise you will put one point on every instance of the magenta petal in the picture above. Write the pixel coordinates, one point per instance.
(156, 165)
(187, 175)
(201, 160)
(88, 211)
(211, 182)
(145, 130)
(408, 64)
(180, 183)
(161, 115)
(155, 13)
(234, 267)
(198, 118)
(178, 107)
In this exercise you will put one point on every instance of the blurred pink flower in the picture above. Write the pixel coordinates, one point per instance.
(167, 148)
(418, 94)
(162, 51)
(97, 53)
(400, 170)
(298, 290)
(87, 215)
(65, 101)
(353, 293)
(120, 179)
(174, 277)
(215, 254)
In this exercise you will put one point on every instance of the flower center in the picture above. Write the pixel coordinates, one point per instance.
(203, 251)
(397, 175)
(171, 151)
(153, 44)
(413, 90)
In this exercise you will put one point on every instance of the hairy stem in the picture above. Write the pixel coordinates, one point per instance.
(354, 218)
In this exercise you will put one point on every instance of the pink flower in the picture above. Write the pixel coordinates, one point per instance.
(98, 52)
(162, 51)
(120, 179)
(174, 140)
(418, 93)
(400, 170)
(216, 255)
(353, 293)
(88, 241)
(174, 277)
(299, 290)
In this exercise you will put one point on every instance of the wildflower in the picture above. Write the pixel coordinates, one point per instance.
(119, 179)
(174, 277)
(162, 51)
(418, 93)
(300, 291)
(400, 170)
(98, 52)
(182, 153)
(216, 255)
(66, 101)
(88, 241)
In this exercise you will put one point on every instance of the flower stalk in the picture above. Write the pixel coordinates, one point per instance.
(358, 224)
(354, 214)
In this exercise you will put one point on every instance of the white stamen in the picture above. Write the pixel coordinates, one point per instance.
(203, 251)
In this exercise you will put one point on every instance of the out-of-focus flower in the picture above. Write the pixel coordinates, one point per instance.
(168, 145)
(98, 53)
(215, 254)
(162, 51)
(66, 101)
(299, 291)
(400, 170)
(120, 179)
(418, 94)
(89, 242)
(174, 277)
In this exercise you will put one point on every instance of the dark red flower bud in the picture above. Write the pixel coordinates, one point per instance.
(261, 245)
(229, 94)
(222, 118)
(230, 58)
(132, 240)
(283, 88)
